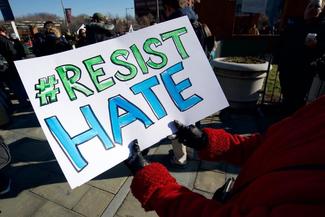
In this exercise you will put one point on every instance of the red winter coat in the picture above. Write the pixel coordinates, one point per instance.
(283, 173)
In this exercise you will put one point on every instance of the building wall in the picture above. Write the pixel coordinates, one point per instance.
(144, 7)
(293, 8)
(219, 15)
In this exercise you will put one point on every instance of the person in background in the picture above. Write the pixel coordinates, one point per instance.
(210, 42)
(70, 39)
(178, 8)
(82, 38)
(97, 30)
(5, 159)
(300, 43)
(21, 54)
(264, 25)
(38, 39)
(54, 41)
(11, 76)
(174, 9)
(253, 30)
(282, 172)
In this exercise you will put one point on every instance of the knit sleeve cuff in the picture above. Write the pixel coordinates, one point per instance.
(218, 143)
(148, 180)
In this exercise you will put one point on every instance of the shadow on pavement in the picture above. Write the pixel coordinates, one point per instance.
(33, 164)
(194, 163)
(22, 120)
(246, 121)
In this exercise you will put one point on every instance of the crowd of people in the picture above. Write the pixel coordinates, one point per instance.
(50, 40)
(46, 41)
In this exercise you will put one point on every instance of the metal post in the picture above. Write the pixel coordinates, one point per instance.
(13, 25)
(126, 11)
(158, 17)
(65, 16)
(267, 77)
(63, 11)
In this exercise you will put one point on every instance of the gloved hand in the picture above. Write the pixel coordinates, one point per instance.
(136, 161)
(191, 136)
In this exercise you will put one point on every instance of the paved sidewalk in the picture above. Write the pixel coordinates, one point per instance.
(39, 188)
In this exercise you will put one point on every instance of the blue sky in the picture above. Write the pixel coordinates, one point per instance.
(113, 7)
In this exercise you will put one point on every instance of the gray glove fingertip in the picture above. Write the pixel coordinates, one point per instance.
(135, 147)
(178, 124)
(172, 136)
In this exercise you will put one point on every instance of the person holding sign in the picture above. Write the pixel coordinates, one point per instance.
(282, 171)
(97, 30)
(119, 90)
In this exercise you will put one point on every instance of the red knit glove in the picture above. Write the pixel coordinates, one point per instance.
(149, 179)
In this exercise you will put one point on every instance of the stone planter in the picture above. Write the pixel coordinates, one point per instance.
(241, 82)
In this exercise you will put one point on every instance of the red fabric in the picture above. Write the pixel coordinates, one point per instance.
(234, 149)
(148, 180)
(270, 183)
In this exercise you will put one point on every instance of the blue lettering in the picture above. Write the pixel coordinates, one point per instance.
(70, 145)
(145, 88)
(174, 90)
(132, 113)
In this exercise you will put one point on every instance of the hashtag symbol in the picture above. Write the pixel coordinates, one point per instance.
(47, 93)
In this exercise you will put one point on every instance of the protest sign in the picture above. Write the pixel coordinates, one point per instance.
(92, 102)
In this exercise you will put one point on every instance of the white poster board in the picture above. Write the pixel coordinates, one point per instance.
(92, 102)
(254, 6)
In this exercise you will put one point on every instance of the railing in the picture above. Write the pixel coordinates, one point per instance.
(262, 46)
(271, 93)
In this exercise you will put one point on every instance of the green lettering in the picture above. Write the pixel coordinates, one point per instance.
(147, 48)
(132, 68)
(139, 58)
(71, 84)
(94, 74)
(175, 35)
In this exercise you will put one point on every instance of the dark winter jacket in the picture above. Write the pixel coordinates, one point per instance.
(96, 32)
(186, 11)
(8, 51)
(293, 54)
(54, 44)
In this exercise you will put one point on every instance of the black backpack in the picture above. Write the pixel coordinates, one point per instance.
(207, 41)
(200, 33)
